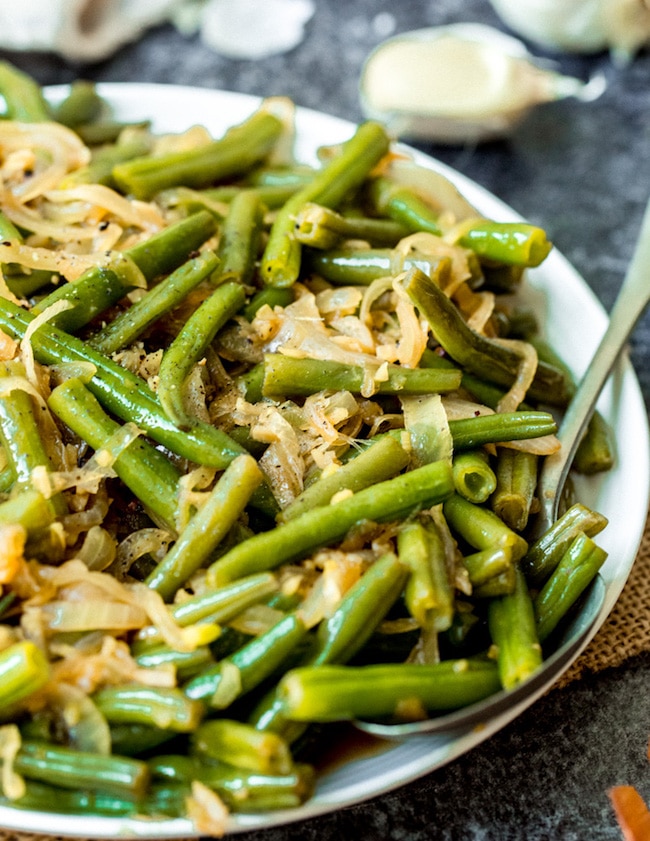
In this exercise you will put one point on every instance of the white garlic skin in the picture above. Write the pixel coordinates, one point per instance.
(583, 26)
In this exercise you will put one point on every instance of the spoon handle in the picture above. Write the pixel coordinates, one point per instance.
(630, 303)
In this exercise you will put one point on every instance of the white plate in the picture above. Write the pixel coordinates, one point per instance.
(574, 323)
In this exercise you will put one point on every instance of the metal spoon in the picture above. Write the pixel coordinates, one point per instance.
(633, 298)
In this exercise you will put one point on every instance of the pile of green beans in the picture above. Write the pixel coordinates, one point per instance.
(425, 521)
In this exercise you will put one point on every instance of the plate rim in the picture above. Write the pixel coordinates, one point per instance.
(624, 379)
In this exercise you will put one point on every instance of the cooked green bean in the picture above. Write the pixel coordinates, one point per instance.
(167, 708)
(99, 288)
(481, 528)
(243, 746)
(76, 769)
(145, 470)
(359, 266)
(221, 684)
(83, 104)
(544, 555)
(20, 434)
(323, 228)
(429, 593)
(516, 473)
(469, 433)
(121, 392)
(239, 237)
(393, 499)
(24, 100)
(404, 690)
(207, 527)
(511, 620)
(487, 564)
(280, 264)
(381, 461)
(576, 570)
(24, 669)
(160, 299)
(473, 477)
(234, 153)
(190, 345)
(287, 375)
(479, 354)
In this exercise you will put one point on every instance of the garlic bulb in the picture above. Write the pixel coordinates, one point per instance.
(580, 25)
(453, 84)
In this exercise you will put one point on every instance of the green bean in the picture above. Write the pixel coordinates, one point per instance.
(385, 501)
(21, 436)
(243, 746)
(29, 509)
(24, 669)
(516, 473)
(22, 285)
(323, 228)
(481, 528)
(145, 470)
(239, 237)
(404, 690)
(76, 769)
(221, 684)
(82, 105)
(128, 739)
(287, 375)
(128, 326)
(190, 345)
(218, 605)
(429, 593)
(544, 555)
(269, 296)
(40, 797)
(241, 790)
(502, 584)
(186, 663)
(121, 392)
(479, 354)
(595, 453)
(272, 196)
(348, 266)
(280, 264)
(487, 564)
(165, 707)
(342, 635)
(473, 477)
(360, 611)
(234, 153)
(108, 131)
(469, 433)
(99, 288)
(512, 243)
(575, 571)
(484, 392)
(388, 198)
(511, 620)
(24, 100)
(379, 462)
(207, 527)
(280, 176)
(100, 168)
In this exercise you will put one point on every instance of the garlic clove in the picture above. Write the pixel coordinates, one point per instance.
(454, 84)
(583, 26)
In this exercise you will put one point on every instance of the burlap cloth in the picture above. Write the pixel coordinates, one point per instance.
(614, 643)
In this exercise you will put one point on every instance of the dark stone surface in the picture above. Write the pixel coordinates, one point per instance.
(583, 172)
